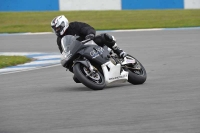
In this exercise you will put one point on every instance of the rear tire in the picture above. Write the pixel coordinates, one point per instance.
(96, 82)
(136, 76)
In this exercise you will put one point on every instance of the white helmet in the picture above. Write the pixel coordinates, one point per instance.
(59, 25)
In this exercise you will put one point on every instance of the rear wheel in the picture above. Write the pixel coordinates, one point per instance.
(93, 80)
(137, 73)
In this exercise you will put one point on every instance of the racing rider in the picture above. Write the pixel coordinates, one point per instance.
(61, 27)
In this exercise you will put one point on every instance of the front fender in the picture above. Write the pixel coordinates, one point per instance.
(84, 62)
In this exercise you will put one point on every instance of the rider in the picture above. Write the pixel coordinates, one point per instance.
(62, 27)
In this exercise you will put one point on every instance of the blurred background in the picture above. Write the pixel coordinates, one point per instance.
(71, 5)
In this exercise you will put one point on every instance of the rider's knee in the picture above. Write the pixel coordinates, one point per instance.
(105, 39)
(109, 38)
(99, 40)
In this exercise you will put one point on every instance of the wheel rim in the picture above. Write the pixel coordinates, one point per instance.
(136, 67)
(138, 71)
(94, 76)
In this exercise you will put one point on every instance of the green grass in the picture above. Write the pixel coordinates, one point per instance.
(6, 61)
(12, 22)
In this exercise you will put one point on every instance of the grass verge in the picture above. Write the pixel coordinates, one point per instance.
(6, 61)
(12, 22)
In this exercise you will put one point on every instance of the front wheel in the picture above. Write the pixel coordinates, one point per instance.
(94, 80)
(137, 73)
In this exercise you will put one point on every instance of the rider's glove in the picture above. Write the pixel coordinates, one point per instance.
(90, 36)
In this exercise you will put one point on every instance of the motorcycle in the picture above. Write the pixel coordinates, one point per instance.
(96, 66)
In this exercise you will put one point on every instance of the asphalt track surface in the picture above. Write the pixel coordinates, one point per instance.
(49, 101)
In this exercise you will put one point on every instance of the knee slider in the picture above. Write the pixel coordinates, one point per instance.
(109, 40)
(108, 37)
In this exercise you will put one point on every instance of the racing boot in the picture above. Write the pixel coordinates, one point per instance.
(119, 51)
(111, 43)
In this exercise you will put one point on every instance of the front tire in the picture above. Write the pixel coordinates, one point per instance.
(95, 81)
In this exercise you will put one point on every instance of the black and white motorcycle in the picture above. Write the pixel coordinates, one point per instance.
(96, 66)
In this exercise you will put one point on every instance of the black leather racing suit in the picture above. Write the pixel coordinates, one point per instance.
(82, 30)
(76, 28)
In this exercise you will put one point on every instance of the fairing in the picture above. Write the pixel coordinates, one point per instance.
(72, 48)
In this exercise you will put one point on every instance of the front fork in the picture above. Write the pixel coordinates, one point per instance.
(86, 63)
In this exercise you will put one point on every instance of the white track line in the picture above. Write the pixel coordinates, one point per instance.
(41, 60)
(126, 30)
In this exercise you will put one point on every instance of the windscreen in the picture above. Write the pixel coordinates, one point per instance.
(69, 42)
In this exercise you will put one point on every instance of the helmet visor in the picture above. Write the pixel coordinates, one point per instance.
(58, 29)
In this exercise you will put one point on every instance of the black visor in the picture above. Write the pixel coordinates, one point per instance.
(58, 29)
